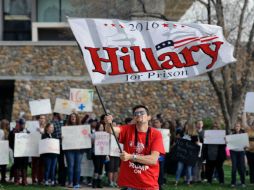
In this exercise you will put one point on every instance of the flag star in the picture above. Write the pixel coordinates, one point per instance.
(121, 26)
(165, 25)
(105, 24)
(174, 25)
(113, 25)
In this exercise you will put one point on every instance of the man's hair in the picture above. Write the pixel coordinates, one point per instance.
(140, 106)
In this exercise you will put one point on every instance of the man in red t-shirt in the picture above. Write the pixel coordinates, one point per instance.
(142, 148)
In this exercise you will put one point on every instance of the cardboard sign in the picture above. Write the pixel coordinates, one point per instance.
(101, 143)
(76, 137)
(119, 51)
(114, 150)
(12, 125)
(87, 167)
(249, 102)
(166, 138)
(64, 106)
(32, 126)
(39, 107)
(83, 99)
(27, 145)
(214, 137)
(49, 145)
(4, 152)
(237, 141)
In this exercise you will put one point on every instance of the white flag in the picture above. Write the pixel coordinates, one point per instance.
(118, 51)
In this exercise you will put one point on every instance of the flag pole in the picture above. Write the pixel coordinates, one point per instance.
(104, 108)
(105, 111)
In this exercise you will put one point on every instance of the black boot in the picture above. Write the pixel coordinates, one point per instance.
(99, 185)
(94, 183)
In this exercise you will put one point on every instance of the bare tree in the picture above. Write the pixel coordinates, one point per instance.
(230, 82)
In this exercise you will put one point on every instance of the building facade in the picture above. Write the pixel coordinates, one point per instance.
(40, 59)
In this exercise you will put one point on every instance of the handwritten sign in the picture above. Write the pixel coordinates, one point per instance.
(114, 150)
(101, 143)
(76, 137)
(214, 137)
(32, 126)
(4, 152)
(237, 141)
(64, 106)
(12, 125)
(38, 107)
(49, 145)
(249, 102)
(87, 167)
(166, 138)
(83, 99)
(26, 145)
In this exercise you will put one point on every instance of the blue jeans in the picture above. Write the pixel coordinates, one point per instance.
(180, 166)
(74, 158)
(238, 163)
(50, 166)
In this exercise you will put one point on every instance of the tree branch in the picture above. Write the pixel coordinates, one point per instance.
(203, 3)
(143, 6)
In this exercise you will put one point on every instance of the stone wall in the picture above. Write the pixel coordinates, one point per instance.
(50, 71)
(175, 99)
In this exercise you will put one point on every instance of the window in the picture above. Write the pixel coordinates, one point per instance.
(57, 10)
(17, 20)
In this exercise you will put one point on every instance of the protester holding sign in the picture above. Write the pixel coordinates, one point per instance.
(215, 155)
(142, 147)
(37, 162)
(238, 159)
(61, 169)
(250, 150)
(190, 134)
(49, 158)
(98, 161)
(4, 133)
(74, 157)
(20, 163)
(157, 123)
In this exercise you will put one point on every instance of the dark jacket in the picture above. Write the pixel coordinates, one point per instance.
(214, 152)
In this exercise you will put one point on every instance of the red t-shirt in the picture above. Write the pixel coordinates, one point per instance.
(139, 176)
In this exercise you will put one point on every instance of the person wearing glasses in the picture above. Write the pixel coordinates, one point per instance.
(142, 147)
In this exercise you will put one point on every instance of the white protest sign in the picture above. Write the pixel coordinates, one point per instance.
(49, 145)
(76, 137)
(27, 145)
(39, 107)
(118, 51)
(32, 126)
(237, 141)
(214, 137)
(83, 99)
(87, 167)
(101, 143)
(114, 150)
(249, 102)
(64, 106)
(166, 138)
(4, 152)
(12, 125)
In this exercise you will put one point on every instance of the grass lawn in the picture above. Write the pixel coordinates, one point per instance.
(169, 185)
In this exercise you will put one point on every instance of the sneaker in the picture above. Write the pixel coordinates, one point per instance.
(115, 184)
(176, 183)
(111, 184)
(232, 185)
(76, 186)
(46, 183)
(53, 183)
(243, 185)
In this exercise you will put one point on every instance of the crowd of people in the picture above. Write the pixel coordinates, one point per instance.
(65, 168)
